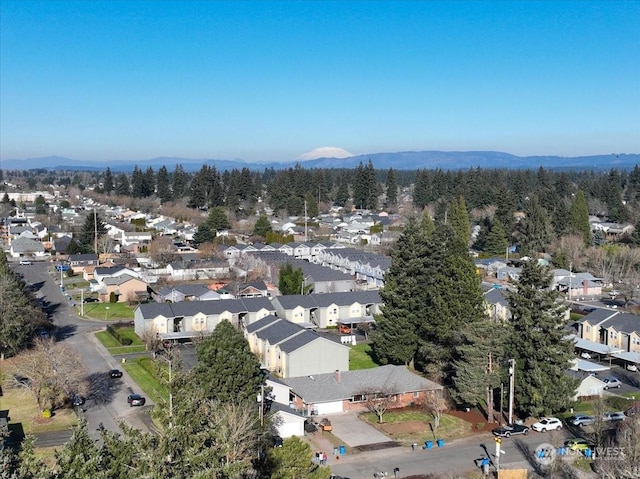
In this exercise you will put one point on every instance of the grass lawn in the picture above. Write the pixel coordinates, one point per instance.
(24, 410)
(114, 347)
(108, 311)
(143, 372)
(409, 426)
(360, 357)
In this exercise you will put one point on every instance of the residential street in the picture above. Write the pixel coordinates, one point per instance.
(107, 400)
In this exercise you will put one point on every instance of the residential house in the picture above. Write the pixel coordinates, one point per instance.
(340, 391)
(79, 262)
(618, 330)
(185, 292)
(589, 386)
(22, 247)
(136, 237)
(290, 350)
(576, 285)
(509, 273)
(189, 319)
(496, 305)
(124, 288)
(329, 309)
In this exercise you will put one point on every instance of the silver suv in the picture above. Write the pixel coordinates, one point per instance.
(611, 382)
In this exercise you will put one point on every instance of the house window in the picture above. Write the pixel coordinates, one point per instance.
(588, 329)
(416, 394)
(358, 398)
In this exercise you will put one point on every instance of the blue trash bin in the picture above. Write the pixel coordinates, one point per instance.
(342, 450)
(440, 442)
(428, 444)
(587, 453)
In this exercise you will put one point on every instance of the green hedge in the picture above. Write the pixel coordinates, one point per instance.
(122, 340)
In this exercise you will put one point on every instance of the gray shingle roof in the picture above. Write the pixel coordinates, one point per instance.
(300, 340)
(496, 296)
(325, 387)
(598, 315)
(191, 308)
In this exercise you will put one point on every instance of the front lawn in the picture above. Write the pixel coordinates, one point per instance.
(361, 357)
(410, 426)
(24, 413)
(114, 347)
(107, 311)
(143, 372)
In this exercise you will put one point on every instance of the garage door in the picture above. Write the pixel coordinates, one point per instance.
(329, 407)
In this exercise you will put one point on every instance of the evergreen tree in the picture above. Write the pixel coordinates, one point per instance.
(395, 339)
(294, 460)
(365, 187)
(453, 299)
(496, 241)
(534, 230)
(342, 194)
(217, 219)
(203, 234)
(579, 218)
(290, 280)
(123, 188)
(459, 218)
(41, 205)
(478, 366)
(79, 457)
(93, 224)
(227, 370)
(5, 198)
(163, 185)
(137, 183)
(149, 182)
(262, 226)
(108, 182)
(391, 187)
(180, 181)
(538, 344)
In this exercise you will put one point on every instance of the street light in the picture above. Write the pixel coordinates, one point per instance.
(170, 393)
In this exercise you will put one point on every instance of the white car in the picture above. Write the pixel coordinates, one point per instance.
(547, 424)
(585, 355)
(612, 382)
(632, 367)
(25, 262)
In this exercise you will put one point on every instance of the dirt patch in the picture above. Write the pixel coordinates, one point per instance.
(477, 422)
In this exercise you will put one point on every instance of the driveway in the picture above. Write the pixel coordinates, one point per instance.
(355, 432)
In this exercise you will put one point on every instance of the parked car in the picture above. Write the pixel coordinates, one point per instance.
(63, 267)
(580, 420)
(577, 444)
(632, 367)
(510, 430)
(115, 373)
(611, 382)
(90, 300)
(25, 262)
(585, 355)
(77, 400)
(136, 400)
(613, 416)
(547, 424)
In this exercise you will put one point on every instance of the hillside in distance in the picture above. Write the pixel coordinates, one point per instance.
(406, 160)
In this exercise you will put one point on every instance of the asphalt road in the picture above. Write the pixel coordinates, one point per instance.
(455, 457)
(107, 399)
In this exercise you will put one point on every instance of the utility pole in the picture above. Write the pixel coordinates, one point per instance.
(81, 302)
(498, 452)
(512, 374)
(501, 396)
(261, 405)
(490, 417)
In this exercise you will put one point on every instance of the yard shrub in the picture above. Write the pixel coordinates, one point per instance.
(479, 425)
(617, 403)
(46, 413)
(118, 337)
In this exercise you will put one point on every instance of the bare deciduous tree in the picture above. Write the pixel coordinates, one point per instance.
(378, 402)
(621, 459)
(162, 251)
(51, 371)
(435, 405)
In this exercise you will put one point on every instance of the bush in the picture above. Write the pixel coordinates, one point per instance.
(122, 340)
(618, 403)
(479, 425)
(46, 413)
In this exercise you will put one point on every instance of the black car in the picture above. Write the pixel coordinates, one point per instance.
(510, 430)
(78, 400)
(91, 300)
(115, 373)
(136, 400)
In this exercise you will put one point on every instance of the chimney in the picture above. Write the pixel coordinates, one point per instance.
(337, 376)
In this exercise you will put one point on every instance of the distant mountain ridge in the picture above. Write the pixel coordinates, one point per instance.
(406, 160)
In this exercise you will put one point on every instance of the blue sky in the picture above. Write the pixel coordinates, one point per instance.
(261, 80)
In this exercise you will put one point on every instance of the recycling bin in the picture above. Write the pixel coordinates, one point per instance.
(428, 444)
(342, 450)
(440, 442)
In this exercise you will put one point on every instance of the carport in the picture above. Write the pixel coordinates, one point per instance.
(629, 358)
(588, 366)
(597, 348)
